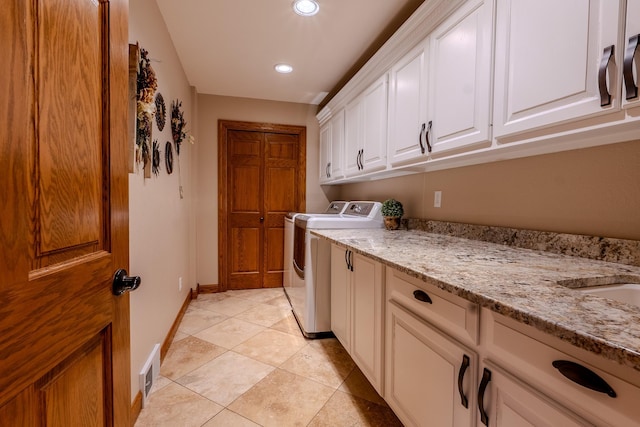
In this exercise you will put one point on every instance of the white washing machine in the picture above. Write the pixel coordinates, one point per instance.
(310, 290)
(335, 208)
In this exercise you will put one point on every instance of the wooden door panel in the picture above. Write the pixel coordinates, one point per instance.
(274, 263)
(75, 393)
(70, 179)
(245, 184)
(63, 142)
(280, 193)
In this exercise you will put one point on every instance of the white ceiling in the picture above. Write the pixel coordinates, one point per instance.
(229, 47)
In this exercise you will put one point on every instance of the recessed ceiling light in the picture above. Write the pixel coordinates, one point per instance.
(306, 7)
(283, 68)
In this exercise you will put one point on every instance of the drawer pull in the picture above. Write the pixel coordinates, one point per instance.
(583, 376)
(605, 96)
(461, 372)
(486, 377)
(422, 296)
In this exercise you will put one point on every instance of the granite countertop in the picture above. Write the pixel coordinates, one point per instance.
(522, 284)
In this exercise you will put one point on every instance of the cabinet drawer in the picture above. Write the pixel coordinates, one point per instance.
(532, 361)
(447, 312)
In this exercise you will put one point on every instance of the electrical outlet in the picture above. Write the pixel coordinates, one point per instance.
(437, 199)
(179, 283)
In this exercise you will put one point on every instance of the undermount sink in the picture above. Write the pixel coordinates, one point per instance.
(622, 288)
(628, 293)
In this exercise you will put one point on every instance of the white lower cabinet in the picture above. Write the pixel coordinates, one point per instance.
(505, 401)
(429, 377)
(536, 379)
(439, 360)
(357, 311)
(430, 373)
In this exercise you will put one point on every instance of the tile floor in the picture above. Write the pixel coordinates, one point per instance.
(239, 359)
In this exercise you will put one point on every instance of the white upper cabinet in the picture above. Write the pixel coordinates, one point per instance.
(631, 62)
(408, 107)
(460, 58)
(324, 167)
(439, 93)
(366, 130)
(555, 61)
(332, 149)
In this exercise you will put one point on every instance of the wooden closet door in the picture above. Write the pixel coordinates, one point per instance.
(64, 337)
(261, 178)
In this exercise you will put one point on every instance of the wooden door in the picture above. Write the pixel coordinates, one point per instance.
(261, 178)
(64, 338)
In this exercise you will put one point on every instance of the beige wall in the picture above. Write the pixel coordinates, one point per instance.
(213, 108)
(162, 225)
(593, 191)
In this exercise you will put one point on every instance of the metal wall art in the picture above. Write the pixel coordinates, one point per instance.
(156, 158)
(177, 124)
(161, 112)
(168, 157)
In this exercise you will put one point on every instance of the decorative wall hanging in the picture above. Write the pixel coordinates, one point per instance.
(177, 124)
(146, 84)
(168, 157)
(155, 167)
(161, 111)
(145, 155)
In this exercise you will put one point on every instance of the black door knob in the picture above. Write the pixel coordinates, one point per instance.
(123, 283)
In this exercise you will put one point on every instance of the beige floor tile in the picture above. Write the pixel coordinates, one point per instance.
(188, 354)
(230, 306)
(226, 377)
(159, 383)
(179, 336)
(344, 409)
(280, 302)
(174, 405)
(196, 319)
(258, 295)
(218, 296)
(263, 314)
(325, 361)
(230, 332)
(288, 325)
(271, 402)
(357, 384)
(226, 418)
(270, 346)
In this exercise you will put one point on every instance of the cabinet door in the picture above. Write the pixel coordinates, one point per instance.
(408, 107)
(632, 55)
(337, 146)
(324, 165)
(422, 372)
(367, 318)
(353, 136)
(508, 402)
(460, 78)
(548, 55)
(374, 121)
(341, 296)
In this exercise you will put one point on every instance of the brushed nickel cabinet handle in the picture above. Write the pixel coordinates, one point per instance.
(605, 96)
(630, 54)
(420, 138)
(461, 372)
(486, 377)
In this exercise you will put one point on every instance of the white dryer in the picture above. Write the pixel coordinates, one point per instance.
(335, 208)
(310, 290)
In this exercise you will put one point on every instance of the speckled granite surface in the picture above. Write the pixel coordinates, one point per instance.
(599, 248)
(518, 283)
